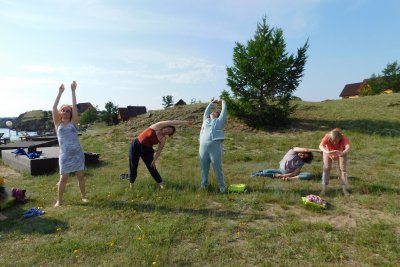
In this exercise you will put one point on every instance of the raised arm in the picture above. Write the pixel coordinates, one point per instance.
(56, 116)
(162, 124)
(222, 115)
(208, 110)
(75, 116)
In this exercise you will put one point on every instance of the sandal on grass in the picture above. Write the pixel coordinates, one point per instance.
(33, 212)
(124, 176)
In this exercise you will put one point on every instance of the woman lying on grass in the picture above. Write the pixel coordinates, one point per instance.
(291, 164)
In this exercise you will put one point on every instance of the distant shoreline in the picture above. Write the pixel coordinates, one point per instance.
(14, 134)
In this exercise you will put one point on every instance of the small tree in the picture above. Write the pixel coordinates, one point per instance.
(110, 115)
(390, 79)
(167, 101)
(89, 116)
(264, 77)
(47, 120)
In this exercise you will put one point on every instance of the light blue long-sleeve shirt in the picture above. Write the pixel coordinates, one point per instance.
(212, 129)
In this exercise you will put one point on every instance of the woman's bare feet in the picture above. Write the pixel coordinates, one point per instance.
(58, 204)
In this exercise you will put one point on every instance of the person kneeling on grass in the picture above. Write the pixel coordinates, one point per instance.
(291, 164)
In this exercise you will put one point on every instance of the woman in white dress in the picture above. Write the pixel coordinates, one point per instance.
(71, 158)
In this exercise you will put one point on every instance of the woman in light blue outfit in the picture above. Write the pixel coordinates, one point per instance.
(211, 138)
(71, 158)
(291, 164)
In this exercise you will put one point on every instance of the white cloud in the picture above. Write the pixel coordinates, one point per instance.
(44, 69)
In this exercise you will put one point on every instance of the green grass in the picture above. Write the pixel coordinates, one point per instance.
(184, 226)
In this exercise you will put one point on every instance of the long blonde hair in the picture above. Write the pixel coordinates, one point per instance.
(335, 134)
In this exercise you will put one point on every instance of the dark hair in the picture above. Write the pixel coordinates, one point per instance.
(308, 159)
(173, 130)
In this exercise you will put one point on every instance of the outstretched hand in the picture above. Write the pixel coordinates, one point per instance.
(153, 163)
(73, 85)
(62, 88)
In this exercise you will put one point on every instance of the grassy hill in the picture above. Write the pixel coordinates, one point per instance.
(184, 226)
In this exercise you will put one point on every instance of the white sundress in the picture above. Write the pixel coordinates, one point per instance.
(71, 157)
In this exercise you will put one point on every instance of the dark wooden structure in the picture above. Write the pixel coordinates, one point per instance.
(180, 103)
(47, 163)
(130, 111)
(26, 144)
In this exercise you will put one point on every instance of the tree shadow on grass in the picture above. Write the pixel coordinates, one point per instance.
(334, 187)
(39, 224)
(363, 126)
(163, 209)
(377, 189)
(181, 186)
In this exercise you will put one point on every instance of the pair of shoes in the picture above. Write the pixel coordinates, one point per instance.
(85, 200)
(33, 212)
(162, 186)
(124, 176)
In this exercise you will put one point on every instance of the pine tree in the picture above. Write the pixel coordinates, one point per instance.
(264, 77)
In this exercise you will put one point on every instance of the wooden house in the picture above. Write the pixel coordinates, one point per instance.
(352, 90)
(82, 107)
(130, 111)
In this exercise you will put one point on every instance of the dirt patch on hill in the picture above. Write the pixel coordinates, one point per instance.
(351, 216)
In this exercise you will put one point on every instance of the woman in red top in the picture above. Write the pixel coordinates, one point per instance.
(142, 147)
(335, 146)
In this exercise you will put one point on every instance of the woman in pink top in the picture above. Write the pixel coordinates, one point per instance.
(335, 146)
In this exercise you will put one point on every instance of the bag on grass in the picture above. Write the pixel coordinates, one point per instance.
(237, 188)
(19, 194)
(314, 201)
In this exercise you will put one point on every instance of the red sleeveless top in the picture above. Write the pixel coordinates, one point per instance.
(148, 137)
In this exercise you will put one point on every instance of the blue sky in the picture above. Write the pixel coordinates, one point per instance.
(135, 52)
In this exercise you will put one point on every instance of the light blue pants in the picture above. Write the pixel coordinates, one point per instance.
(211, 152)
(271, 172)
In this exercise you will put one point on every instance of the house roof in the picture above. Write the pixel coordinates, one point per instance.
(180, 102)
(131, 111)
(351, 89)
(82, 107)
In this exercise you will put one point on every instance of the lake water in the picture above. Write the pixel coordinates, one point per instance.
(14, 135)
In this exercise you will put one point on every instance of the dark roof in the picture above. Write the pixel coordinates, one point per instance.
(351, 89)
(131, 111)
(180, 102)
(82, 107)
